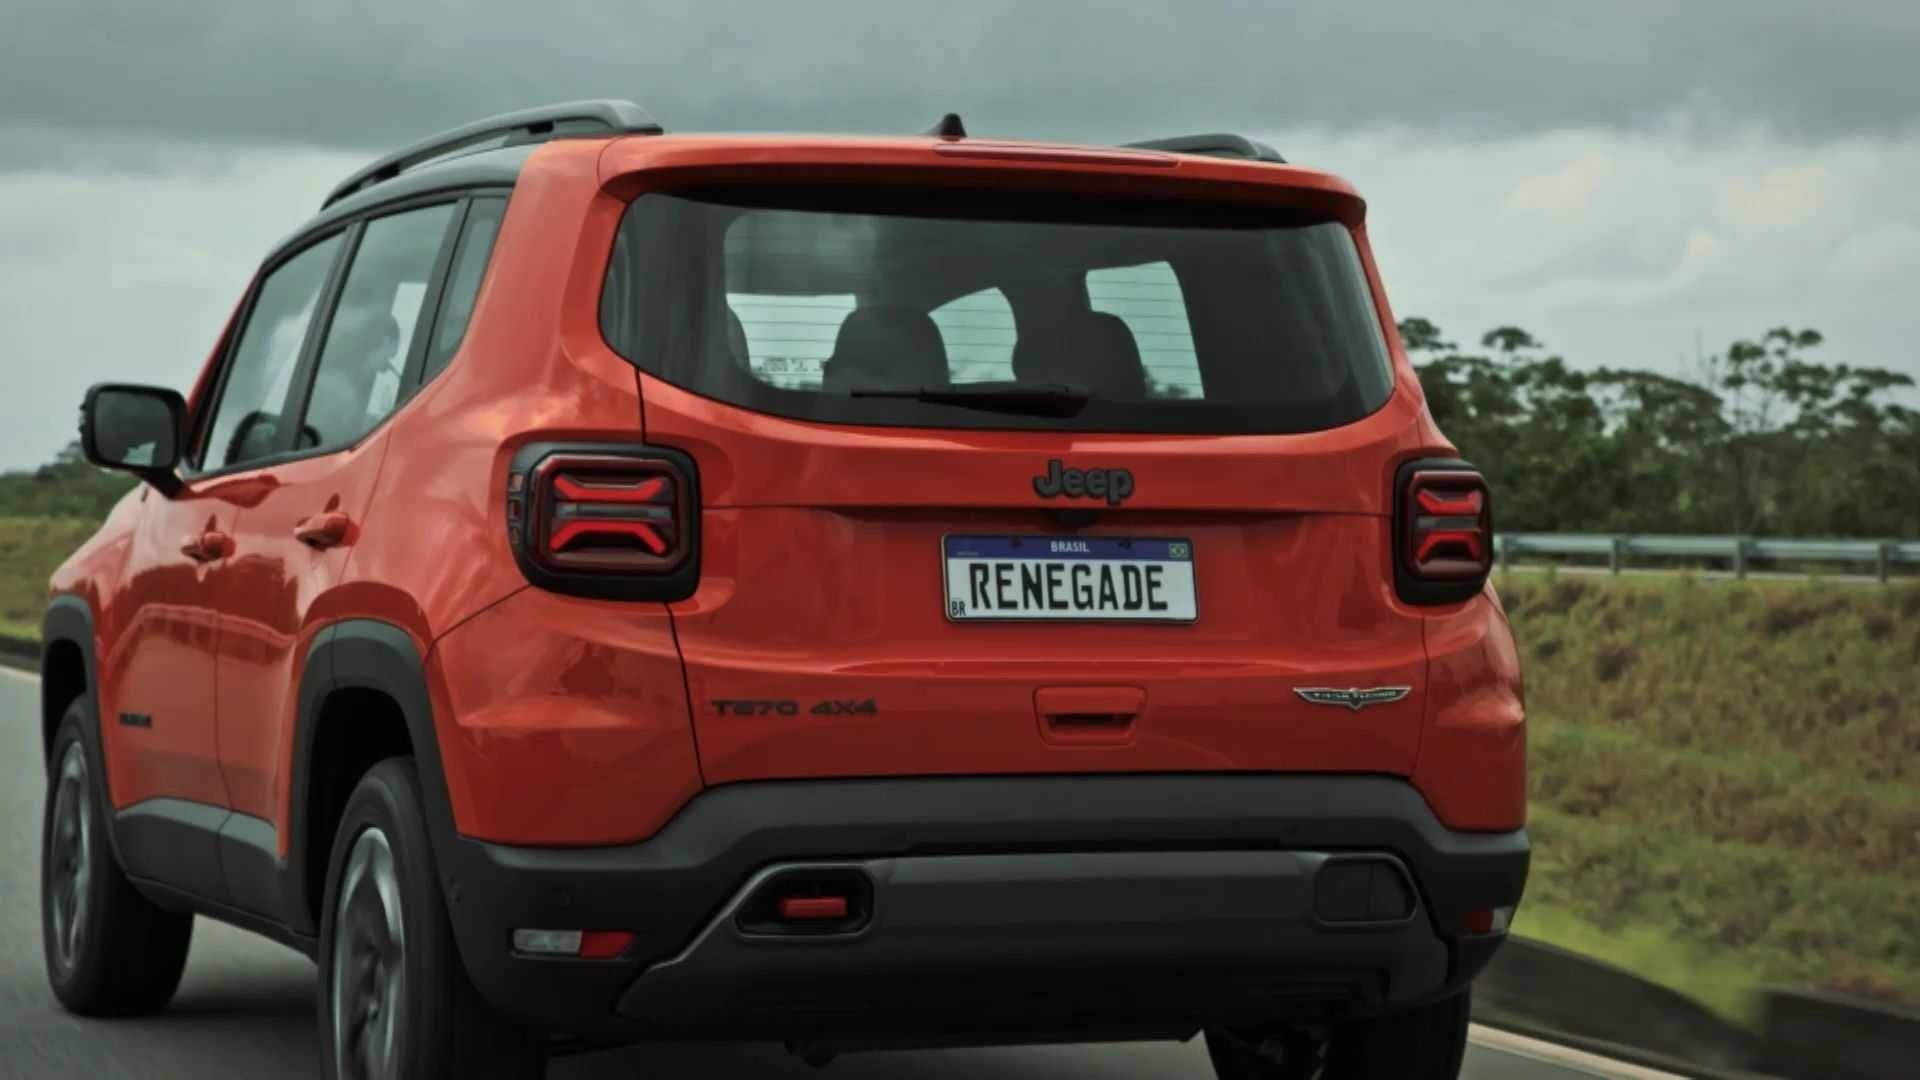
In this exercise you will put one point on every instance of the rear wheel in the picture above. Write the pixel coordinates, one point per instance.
(1427, 1042)
(395, 999)
(110, 951)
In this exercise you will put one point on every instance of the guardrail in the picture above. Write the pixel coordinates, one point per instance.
(1738, 551)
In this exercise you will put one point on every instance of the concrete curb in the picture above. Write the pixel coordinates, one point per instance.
(1549, 993)
(1637, 1057)
(1828, 1035)
(1549, 989)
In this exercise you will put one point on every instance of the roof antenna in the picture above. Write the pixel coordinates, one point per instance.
(949, 127)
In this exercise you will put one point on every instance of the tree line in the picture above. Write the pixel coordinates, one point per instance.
(1762, 441)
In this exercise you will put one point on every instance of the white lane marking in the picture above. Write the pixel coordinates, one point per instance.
(1565, 1057)
(24, 676)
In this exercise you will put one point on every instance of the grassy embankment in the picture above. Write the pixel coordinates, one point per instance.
(44, 515)
(1725, 776)
(30, 548)
(1725, 780)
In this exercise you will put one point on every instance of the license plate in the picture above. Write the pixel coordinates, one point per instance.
(1077, 578)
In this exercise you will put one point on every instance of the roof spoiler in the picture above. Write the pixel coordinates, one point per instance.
(1217, 145)
(602, 117)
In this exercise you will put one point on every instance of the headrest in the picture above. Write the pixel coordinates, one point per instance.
(737, 341)
(365, 331)
(1099, 353)
(889, 347)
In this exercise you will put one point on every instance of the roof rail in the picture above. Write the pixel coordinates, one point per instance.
(537, 124)
(1219, 145)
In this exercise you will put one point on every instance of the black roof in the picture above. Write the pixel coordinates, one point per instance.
(498, 167)
(460, 158)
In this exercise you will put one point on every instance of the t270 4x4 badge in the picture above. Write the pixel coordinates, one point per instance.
(1353, 697)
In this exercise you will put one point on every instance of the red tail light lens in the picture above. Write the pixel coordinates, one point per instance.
(606, 514)
(1445, 527)
(1452, 531)
(612, 522)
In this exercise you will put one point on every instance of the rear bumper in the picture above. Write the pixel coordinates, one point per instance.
(1088, 904)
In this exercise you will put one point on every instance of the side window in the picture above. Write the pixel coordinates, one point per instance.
(979, 334)
(463, 282)
(357, 382)
(246, 420)
(1148, 299)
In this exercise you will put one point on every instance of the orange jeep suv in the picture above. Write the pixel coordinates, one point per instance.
(614, 586)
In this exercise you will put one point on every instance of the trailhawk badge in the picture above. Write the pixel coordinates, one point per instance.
(1353, 697)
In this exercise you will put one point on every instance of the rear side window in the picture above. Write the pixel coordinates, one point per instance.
(247, 420)
(364, 357)
(463, 282)
(849, 305)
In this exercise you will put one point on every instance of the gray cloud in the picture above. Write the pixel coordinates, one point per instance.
(1625, 178)
(364, 75)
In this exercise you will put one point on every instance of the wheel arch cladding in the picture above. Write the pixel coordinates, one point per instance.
(66, 668)
(362, 678)
(69, 670)
(354, 730)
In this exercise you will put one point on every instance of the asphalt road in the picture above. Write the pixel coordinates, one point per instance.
(246, 1007)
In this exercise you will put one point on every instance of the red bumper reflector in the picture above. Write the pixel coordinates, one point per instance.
(604, 944)
(1489, 920)
(813, 908)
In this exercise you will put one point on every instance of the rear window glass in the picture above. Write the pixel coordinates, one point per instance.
(939, 308)
(978, 332)
(1147, 298)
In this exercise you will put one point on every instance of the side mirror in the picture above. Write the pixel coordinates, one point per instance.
(137, 429)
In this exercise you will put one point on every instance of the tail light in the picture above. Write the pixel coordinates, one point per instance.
(609, 521)
(1443, 532)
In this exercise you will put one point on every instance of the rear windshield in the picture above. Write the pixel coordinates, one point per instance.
(950, 309)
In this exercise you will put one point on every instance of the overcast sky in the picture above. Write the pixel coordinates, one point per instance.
(1624, 179)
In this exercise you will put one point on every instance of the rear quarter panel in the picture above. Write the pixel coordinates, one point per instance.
(560, 721)
(1473, 755)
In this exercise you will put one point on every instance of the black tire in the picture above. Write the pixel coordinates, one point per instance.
(109, 950)
(413, 995)
(1427, 1042)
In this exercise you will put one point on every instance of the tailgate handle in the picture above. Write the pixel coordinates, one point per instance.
(1088, 714)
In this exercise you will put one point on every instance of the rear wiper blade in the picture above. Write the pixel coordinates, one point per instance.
(1035, 399)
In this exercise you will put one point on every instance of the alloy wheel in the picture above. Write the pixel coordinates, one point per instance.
(70, 858)
(369, 962)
